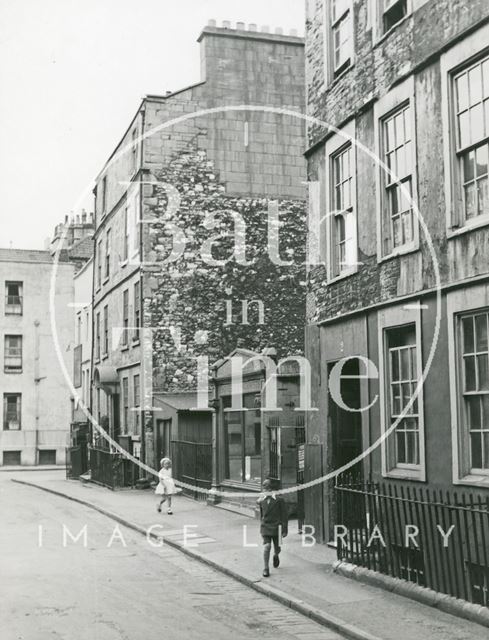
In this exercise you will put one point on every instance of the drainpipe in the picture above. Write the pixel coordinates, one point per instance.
(141, 347)
(212, 497)
(37, 380)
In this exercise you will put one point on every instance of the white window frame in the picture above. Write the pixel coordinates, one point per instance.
(401, 95)
(390, 318)
(459, 303)
(333, 147)
(329, 67)
(454, 60)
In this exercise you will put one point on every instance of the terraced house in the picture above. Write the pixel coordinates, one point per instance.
(194, 179)
(399, 297)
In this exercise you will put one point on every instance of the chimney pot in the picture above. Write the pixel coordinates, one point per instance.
(240, 26)
(226, 24)
(265, 29)
(252, 27)
(293, 32)
(211, 23)
(279, 31)
(66, 219)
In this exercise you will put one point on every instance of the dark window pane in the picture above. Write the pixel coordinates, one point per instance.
(481, 332)
(401, 447)
(468, 332)
(482, 368)
(469, 363)
(468, 166)
(473, 412)
(476, 450)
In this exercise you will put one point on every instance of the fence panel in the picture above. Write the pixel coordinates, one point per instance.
(112, 469)
(433, 538)
(192, 464)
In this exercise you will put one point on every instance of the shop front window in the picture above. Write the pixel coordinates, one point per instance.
(242, 434)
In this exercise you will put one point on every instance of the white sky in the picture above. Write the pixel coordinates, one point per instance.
(72, 73)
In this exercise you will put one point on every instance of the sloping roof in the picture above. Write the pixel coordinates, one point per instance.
(82, 249)
(181, 401)
(24, 255)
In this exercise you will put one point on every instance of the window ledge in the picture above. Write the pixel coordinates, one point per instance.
(106, 279)
(97, 290)
(406, 474)
(7, 371)
(401, 251)
(136, 342)
(342, 276)
(124, 347)
(473, 480)
(96, 361)
(123, 263)
(105, 356)
(454, 232)
(334, 81)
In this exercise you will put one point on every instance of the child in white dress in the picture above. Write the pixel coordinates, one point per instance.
(166, 486)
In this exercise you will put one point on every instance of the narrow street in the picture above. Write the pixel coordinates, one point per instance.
(109, 591)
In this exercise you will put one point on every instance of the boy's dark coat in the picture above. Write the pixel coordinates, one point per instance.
(273, 512)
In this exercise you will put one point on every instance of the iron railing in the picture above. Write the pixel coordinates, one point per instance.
(76, 461)
(447, 551)
(192, 464)
(112, 470)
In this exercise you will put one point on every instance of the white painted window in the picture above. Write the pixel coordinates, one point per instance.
(474, 388)
(401, 396)
(396, 129)
(340, 211)
(471, 110)
(343, 236)
(341, 32)
(402, 380)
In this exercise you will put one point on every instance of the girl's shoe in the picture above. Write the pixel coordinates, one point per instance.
(170, 512)
(266, 573)
(158, 508)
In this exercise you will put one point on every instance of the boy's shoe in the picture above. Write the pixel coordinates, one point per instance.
(266, 573)
(276, 561)
(158, 508)
(170, 512)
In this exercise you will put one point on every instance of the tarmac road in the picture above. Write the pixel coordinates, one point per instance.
(118, 586)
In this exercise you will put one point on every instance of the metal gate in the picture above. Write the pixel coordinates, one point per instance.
(192, 464)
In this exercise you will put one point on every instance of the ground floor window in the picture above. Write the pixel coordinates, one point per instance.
(11, 457)
(474, 374)
(401, 382)
(47, 456)
(242, 437)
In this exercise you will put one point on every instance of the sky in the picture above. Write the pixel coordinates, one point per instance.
(72, 74)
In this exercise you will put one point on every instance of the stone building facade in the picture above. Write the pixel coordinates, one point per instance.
(36, 414)
(193, 180)
(400, 101)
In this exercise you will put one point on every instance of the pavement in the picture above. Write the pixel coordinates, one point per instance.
(110, 584)
(304, 581)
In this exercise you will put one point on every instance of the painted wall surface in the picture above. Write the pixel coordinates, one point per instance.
(46, 410)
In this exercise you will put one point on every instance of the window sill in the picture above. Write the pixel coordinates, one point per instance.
(106, 279)
(13, 313)
(473, 480)
(97, 290)
(123, 263)
(96, 361)
(342, 276)
(7, 371)
(405, 473)
(334, 81)
(124, 347)
(135, 342)
(401, 251)
(105, 356)
(454, 232)
(234, 484)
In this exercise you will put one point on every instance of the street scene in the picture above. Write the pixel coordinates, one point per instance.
(245, 319)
